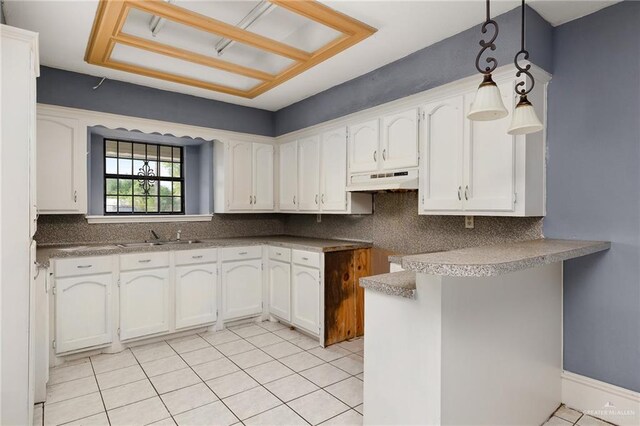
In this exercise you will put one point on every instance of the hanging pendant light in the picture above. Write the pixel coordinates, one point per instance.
(524, 120)
(487, 104)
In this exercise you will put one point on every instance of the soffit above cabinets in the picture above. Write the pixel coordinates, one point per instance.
(288, 39)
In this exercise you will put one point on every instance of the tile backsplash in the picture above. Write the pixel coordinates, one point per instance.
(394, 226)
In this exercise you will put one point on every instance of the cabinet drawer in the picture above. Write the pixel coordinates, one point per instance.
(241, 253)
(144, 260)
(279, 253)
(83, 266)
(188, 257)
(306, 258)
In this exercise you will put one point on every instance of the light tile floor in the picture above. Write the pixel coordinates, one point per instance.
(253, 374)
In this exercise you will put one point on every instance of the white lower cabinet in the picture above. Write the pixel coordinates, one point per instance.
(83, 302)
(144, 296)
(241, 288)
(305, 304)
(280, 289)
(83, 311)
(196, 294)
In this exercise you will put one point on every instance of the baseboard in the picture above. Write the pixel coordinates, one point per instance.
(602, 400)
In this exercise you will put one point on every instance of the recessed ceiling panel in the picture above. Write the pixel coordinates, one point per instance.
(238, 48)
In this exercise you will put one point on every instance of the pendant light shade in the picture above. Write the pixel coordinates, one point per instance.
(487, 104)
(524, 120)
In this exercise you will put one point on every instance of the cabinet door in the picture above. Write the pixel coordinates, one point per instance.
(144, 302)
(280, 289)
(306, 298)
(490, 160)
(263, 176)
(441, 168)
(289, 176)
(309, 173)
(364, 140)
(196, 294)
(83, 311)
(400, 140)
(333, 150)
(241, 288)
(61, 165)
(240, 176)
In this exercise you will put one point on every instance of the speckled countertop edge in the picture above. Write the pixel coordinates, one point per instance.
(47, 252)
(401, 284)
(502, 258)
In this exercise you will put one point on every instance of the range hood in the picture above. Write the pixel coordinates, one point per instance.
(401, 180)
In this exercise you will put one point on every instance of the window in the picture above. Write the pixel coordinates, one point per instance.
(143, 178)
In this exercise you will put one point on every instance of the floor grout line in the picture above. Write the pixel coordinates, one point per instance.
(98, 386)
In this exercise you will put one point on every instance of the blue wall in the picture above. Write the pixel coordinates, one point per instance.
(70, 89)
(593, 184)
(449, 60)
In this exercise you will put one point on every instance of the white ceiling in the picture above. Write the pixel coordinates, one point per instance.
(403, 27)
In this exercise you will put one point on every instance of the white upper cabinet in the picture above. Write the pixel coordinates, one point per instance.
(475, 168)
(309, 173)
(61, 165)
(489, 160)
(400, 140)
(288, 176)
(263, 176)
(243, 176)
(441, 165)
(333, 174)
(364, 141)
(240, 175)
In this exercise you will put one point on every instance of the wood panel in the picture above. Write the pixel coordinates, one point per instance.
(344, 299)
(111, 15)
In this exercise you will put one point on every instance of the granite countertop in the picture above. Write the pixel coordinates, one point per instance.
(47, 252)
(401, 284)
(500, 259)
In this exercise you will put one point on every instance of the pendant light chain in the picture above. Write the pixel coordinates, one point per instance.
(521, 88)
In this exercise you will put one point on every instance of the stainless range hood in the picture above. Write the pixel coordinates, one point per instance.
(402, 180)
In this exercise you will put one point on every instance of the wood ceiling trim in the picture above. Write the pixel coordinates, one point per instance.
(213, 26)
(111, 16)
(148, 72)
(196, 58)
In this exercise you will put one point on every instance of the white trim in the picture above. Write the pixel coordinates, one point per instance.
(602, 400)
(115, 121)
(416, 100)
(150, 218)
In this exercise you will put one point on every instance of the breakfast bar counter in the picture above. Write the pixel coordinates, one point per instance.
(477, 341)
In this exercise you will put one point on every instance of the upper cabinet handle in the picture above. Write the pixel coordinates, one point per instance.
(459, 196)
(294, 199)
(75, 196)
(375, 155)
(250, 199)
(384, 154)
(466, 192)
(316, 199)
(322, 198)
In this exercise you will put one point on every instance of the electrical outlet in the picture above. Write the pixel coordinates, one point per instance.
(318, 218)
(468, 222)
